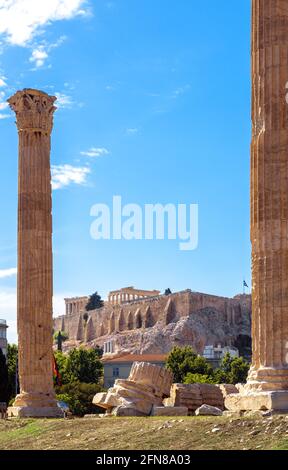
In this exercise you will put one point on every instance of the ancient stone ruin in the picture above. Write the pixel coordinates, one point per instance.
(149, 392)
(153, 325)
(267, 386)
(34, 112)
(145, 388)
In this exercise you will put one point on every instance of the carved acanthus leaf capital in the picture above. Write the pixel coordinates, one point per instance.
(34, 110)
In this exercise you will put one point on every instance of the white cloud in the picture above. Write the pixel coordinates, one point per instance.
(64, 175)
(8, 311)
(63, 101)
(21, 20)
(39, 55)
(3, 82)
(95, 152)
(132, 131)
(7, 272)
(3, 104)
(181, 91)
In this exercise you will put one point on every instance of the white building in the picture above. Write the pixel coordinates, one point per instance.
(215, 353)
(3, 336)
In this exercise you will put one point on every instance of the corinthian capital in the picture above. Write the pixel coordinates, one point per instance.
(34, 110)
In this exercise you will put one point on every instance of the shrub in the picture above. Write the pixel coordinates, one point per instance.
(78, 397)
(198, 379)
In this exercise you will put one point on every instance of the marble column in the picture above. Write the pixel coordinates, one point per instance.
(267, 385)
(34, 113)
(269, 195)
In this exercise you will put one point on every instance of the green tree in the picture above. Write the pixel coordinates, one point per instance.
(182, 361)
(95, 302)
(4, 394)
(13, 380)
(59, 338)
(198, 379)
(232, 370)
(83, 365)
(78, 397)
(61, 360)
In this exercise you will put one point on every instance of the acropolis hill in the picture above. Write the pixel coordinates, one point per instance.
(150, 323)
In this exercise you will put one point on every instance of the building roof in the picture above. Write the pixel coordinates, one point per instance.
(136, 358)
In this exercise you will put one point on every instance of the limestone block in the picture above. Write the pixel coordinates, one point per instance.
(158, 377)
(34, 412)
(227, 389)
(127, 411)
(146, 387)
(207, 410)
(257, 401)
(211, 395)
(170, 411)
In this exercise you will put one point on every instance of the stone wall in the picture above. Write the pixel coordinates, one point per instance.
(142, 315)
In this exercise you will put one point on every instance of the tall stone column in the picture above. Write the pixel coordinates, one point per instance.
(267, 385)
(34, 113)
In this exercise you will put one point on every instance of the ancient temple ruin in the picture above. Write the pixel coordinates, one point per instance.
(34, 113)
(267, 386)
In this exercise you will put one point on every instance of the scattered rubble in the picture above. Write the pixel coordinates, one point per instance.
(145, 389)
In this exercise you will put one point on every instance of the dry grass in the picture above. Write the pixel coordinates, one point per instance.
(191, 433)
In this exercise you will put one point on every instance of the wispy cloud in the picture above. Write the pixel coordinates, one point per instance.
(21, 20)
(40, 52)
(63, 100)
(39, 55)
(3, 82)
(95, 152)
(4, 273)
(8, 311)
(132, 130)
(3, 103)
(65, 175)
(181, 91)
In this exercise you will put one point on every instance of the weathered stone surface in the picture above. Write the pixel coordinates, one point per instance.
(212, 395)
(146, 387)
(92, 416)
(157, 377)
(170, 411)
(269, 196)
(193, 318)
(103, 401)
(227, 389)
(34, 112)
(127, 411)
(194, 395)
(34, 412)
(267, 385)
(206, 410)
(258, 401)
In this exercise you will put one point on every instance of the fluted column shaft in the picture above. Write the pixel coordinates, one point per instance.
(269, 195)
(34, 112)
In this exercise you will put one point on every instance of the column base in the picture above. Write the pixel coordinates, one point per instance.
(258, 401)
(34, 412)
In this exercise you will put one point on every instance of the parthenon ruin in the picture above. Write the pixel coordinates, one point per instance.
(130, 293)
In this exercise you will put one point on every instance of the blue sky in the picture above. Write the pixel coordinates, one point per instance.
(154, 105)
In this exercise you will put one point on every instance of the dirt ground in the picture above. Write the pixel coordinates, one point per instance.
(189, 433)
